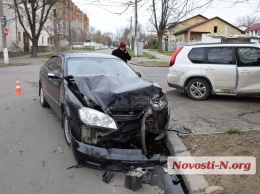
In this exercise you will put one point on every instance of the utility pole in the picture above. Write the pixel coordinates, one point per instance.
(5, 50)
(69, 25)
(135, 39)
(131, 35)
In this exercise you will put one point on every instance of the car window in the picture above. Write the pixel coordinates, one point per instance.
(248, 56)
(58, 63)
(51, 63)
(98, 66)
(220, 55)
(196, 55)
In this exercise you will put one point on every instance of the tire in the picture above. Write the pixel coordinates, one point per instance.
(198, 89)
(43, 102)
(66, 129)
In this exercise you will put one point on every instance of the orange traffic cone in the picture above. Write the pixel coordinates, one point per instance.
(18, 88)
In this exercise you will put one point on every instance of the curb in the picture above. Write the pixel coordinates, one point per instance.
(194, 183)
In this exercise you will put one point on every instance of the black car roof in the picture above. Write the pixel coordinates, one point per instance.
(92, 55)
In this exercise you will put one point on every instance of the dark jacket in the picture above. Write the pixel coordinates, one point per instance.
(122, 55)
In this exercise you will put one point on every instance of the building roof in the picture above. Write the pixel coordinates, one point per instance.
(194, 17)
(188, 28)
(253, 27)
(173, 24)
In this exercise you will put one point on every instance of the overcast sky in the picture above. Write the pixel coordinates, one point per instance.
(102, 17)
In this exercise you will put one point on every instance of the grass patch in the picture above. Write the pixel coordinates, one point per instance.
(14, 64)
(154, 64)
(45, 56)
(168, 53)
(149, 56)
(235, 131)
(154, 50)
(131, 53)
(83, 49)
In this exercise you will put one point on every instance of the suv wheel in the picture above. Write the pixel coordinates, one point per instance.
(198, 89)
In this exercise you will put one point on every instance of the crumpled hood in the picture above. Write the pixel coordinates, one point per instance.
(116, 90)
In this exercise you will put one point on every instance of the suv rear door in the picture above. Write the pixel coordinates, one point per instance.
(248, 70)
(220, 68)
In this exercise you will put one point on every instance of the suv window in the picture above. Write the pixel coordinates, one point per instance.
(248, 56)
(220, 55)
(196, 55)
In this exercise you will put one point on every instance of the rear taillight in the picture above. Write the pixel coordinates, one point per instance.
(174, 55)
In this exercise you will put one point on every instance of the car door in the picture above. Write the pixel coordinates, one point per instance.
(220, 68)
(55, 85)
(46, 82)
(248, 70)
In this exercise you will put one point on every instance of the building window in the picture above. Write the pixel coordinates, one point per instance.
(42, 40)
(215, 29)
(19, 36)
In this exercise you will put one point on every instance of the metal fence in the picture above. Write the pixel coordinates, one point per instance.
(172, 46)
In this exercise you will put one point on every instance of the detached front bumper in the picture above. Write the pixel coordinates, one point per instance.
(113, 158)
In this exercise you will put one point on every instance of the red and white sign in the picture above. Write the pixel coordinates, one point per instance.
(212, 165)
(5, 31)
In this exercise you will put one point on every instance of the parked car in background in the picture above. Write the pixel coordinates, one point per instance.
(110, 116)
(218, 68)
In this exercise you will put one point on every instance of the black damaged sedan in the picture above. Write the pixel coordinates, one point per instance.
(111, 116)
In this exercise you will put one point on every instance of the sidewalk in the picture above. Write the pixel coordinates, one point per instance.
(23, 60)
(161, 59)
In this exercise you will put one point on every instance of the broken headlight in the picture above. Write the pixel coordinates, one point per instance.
(96, 119)
(158, 103)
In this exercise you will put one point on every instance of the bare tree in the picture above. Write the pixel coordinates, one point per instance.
(247, 20)
(92, 32)
(165, 12)
(119, 33)
(36, 13)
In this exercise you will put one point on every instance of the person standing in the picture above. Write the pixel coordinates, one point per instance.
(121, 52)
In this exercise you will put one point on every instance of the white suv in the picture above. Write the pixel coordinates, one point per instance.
(220, 68)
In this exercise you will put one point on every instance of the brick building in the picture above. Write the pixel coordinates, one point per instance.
(69, 24)
(56, 29)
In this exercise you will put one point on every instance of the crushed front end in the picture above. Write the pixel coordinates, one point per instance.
(118, 125)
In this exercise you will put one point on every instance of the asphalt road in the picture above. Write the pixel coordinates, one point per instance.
(33, 152)
(217, 114)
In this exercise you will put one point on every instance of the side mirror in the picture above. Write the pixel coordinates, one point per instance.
(139, 74)
(54, 75)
